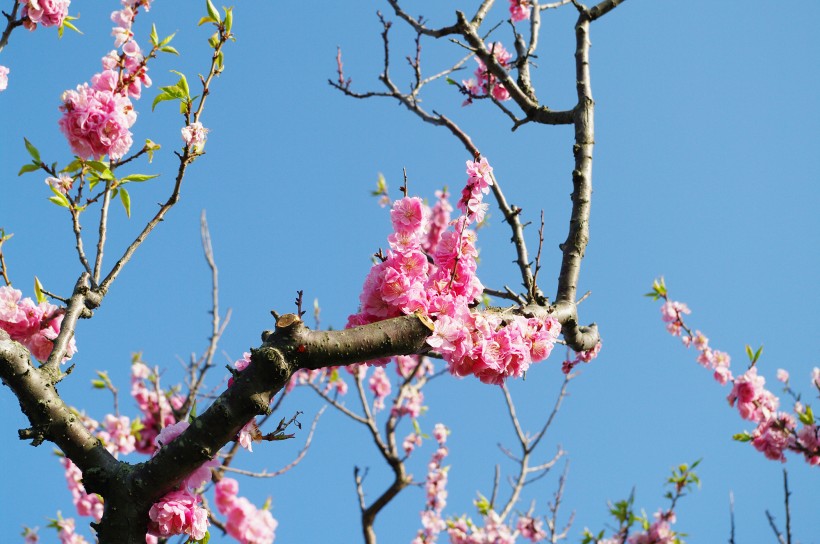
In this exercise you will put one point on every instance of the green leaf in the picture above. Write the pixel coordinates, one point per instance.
(126, 201)
(742, 437)
(212, 12)
(807, 417)
(76, 164)
(213, 41)
(67, 23)
(138, 178)
(38, 290)
(220, 61)
(32, 151)
(483, 505)
(451, 81)
(98, 384)
(162, 97)
(749, 353)
(183, 83)
(154, 36)
(169, 49)
(228, 19)
(60, 200)
(98, 166)
(167, 40)
(28, 168)
(207, 20)
(192, 415)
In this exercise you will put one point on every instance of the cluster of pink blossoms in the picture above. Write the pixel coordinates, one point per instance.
(178, 512)
(659, 532)
(485, 83)
(776, 431)
(435, 487)
(245, 522)
(34, 326)
(66, 534)
(97, 118)
(86, 504)
(4, 78)
(490, 346)
(520, 10)
(44, 12)
(156, 406)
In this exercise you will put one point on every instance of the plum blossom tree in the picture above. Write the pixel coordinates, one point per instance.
(423, 313)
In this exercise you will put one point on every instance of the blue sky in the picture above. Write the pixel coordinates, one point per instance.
(705, 172)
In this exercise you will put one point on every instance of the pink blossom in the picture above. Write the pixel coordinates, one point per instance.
(246, 434)
(782, 375)
(30, 536)
(86, 504)
(195, 135)
(671, 311)
(4, 78)
(410, 443)
(66, 532)
(117, 435)
(407, 214)
(440, 432)
(815, 377)
(245, 522)
(45, 12)
(61, 184)
(170, 433)
(773, 436)
(380, 386)
(178, 513)
(519, 10)
(96, 122)
(531, 528)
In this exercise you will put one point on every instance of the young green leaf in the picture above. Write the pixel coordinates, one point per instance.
(126, 200)
(139, 177)
(207, 20)
(28, 168)
(32, 151)
(167, 40)
(154, 36)
(60, 200)
(169, 49)
(228, 19)
(38, 290)
(212, 12)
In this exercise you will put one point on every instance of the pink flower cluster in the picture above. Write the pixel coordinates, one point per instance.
(194, 135)
(380, 386)
(177, 513)
(157, 407)
(659, 532)
(66, 534)
(463, 531)
(486, 84)
(116, 435)
(488, 346)
(97, 118)
(435, 486)
(34, 326)
(44, 12)
(86, 504)
(520, 10)
(776, 431)
(245, 522)
(4, 78)
(581, 357)
(531, 528)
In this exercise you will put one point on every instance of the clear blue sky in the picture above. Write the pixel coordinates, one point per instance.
(705, 171)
